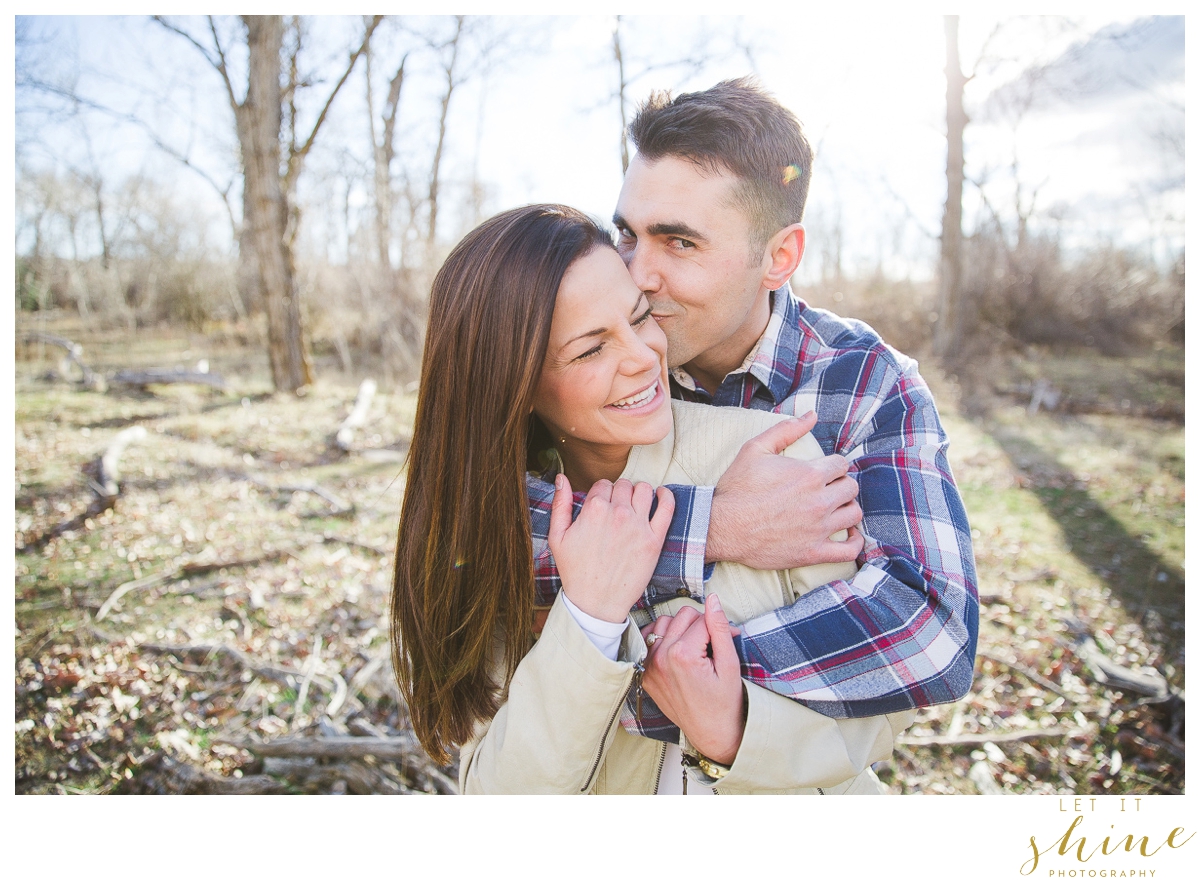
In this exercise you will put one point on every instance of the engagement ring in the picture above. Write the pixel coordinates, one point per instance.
(652, 638)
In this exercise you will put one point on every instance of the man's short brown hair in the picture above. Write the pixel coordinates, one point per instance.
(739, 128)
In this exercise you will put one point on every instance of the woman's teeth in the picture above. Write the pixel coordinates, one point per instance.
(638, 399)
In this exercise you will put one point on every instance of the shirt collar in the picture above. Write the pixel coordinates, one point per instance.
(773, 360)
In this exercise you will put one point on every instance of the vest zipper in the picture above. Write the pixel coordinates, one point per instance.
(638, 670)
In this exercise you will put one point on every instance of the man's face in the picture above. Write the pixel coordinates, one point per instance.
(688, 248)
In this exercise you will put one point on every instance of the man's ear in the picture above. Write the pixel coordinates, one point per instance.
(784, 250)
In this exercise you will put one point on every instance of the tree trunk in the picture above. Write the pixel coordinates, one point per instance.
(435, 170)
(259, 124)
(385, 150)
(951, 324)
(620, 59)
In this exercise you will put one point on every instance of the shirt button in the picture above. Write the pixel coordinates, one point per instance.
(683, 593)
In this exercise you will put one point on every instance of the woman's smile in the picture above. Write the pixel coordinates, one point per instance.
(644, 400)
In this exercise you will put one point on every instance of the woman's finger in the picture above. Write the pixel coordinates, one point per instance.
(658, 625)
(622, 492)
(560, 510)
(660, 523)
(683, 618)
(720, 636)
(654, 632)
(601, 491)
(643, 495)
(695, 639)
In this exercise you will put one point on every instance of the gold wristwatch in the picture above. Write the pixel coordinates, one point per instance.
(711, 769)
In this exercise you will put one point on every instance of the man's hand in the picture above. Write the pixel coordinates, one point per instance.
(606, 556)
(694, 677)
(770, 512)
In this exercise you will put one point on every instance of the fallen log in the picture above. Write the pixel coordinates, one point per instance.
(1150, 684)
(89, 378)
(978, 739)
(350, 542)
(313, 778)
(392, 748)
(180, 571)
(358, 415)
(163, 774)
(331, 682)
(402, 749)
(339, 507)
(163, 376)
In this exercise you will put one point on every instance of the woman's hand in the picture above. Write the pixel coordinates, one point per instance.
(694, 676)
(606, 556)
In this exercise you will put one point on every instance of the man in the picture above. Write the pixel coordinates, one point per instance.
(709, 223)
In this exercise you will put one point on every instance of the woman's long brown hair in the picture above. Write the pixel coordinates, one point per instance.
(464, 560)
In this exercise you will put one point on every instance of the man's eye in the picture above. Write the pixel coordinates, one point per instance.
(682, 243)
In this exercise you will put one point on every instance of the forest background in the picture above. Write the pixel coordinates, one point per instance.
(224, 234)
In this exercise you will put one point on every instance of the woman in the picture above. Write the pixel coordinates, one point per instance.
(541, 352)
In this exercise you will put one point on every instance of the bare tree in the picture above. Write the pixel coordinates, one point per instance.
(622, 86)
(706, 49)
(449, 51)
(384, 152)
(272, 159)
(949, 329)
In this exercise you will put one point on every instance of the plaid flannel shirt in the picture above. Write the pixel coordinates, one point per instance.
(902, 633)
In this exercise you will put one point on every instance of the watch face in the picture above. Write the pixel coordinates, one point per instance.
(716, 771)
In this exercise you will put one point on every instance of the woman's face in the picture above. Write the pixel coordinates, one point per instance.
(604, 380)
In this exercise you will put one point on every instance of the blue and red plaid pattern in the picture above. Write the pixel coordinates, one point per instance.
(902, 633)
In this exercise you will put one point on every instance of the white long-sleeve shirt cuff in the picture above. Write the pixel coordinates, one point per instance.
(604, 634)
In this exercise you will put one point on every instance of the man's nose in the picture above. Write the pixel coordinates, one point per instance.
(641, 270)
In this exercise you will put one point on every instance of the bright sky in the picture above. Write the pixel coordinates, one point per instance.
(544, 125)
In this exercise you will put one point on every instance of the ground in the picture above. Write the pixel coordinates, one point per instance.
(241, 526)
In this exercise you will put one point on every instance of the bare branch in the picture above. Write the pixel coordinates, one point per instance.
(217, 62)
(997, 222)
(182, 33)
(297, 157)
(908, 212)
(390, 108)
(983, 55)
(223, 67)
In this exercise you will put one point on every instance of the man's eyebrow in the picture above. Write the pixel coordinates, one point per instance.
(682, 230)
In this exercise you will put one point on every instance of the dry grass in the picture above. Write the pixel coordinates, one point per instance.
(1077, 517)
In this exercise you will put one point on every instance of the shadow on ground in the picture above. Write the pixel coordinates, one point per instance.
(1149, 587)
